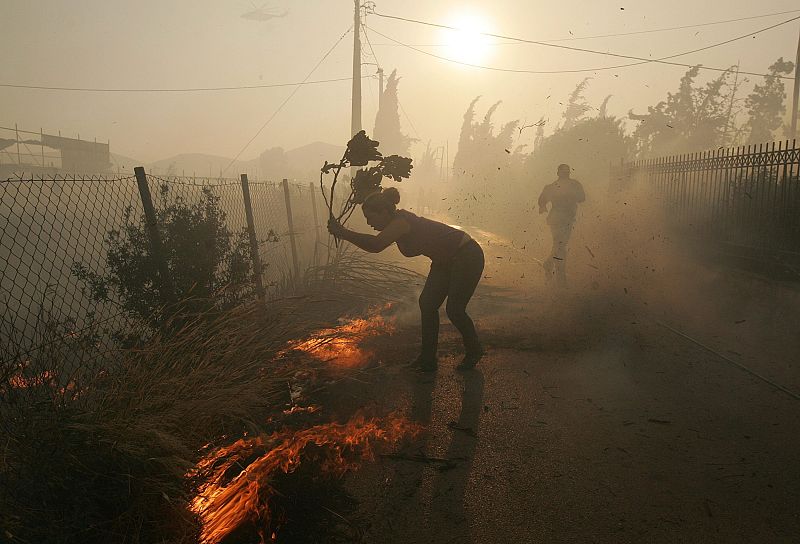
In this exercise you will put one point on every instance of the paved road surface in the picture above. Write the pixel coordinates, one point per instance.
(589, 422)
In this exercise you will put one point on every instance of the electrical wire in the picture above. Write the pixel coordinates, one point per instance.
(172, 90)
(275, 113)
(642, 60)
(667, 29)
(633, 33)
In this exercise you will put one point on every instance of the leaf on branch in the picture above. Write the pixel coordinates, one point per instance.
(396, 167)
(361, 150)
(365, 183)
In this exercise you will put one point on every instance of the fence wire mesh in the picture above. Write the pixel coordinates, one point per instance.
(63, 237)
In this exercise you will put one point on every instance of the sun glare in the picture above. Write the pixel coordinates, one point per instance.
(467, 44)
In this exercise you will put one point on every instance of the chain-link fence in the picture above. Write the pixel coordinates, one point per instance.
(78, 260)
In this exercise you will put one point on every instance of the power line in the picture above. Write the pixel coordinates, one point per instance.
(682, 27)
(275, 113)
(172, 90)
(643, 60)
(633, 33)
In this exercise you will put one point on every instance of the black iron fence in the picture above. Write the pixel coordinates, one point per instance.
(62, 235)
(746, 196)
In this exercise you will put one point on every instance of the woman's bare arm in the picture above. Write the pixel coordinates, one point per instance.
(374, 243)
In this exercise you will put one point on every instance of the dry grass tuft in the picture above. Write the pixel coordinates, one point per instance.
(96, 445)
(101, 455)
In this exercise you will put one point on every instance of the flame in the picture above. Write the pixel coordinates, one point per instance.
(223, 506)
(18, 381)
(342, 344)
(45, 378)
(297, 409)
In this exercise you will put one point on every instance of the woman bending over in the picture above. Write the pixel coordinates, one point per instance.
(456, 268)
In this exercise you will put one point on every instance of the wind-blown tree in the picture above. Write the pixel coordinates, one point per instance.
(427, 167)
(576, 106)
(691, 119)
(387, 121)
(602, 111)
(461, 159)
(483, 164)
(588, 147)
(765, 105)
(481, 152)
(539, 136)
(711, 107)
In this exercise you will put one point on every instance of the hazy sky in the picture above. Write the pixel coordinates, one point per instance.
(205, 43)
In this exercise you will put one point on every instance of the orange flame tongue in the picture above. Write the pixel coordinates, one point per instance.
(342, 344)
(224, 507)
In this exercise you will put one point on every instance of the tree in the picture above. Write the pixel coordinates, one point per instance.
(427, 169)
(387, 121)
(765, 105)
(588, 147)
(483, 165)
(576, 106)
(691, 119)
(711, 114)
(462, 157)
(273, 165)
(481, 153)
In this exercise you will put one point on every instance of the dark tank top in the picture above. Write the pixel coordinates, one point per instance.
(435, 240)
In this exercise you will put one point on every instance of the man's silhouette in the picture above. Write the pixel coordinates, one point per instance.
(563, 195)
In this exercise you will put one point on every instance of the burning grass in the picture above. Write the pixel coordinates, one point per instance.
(343, 346)
(109, 464)
(238, 493)
(97, 445)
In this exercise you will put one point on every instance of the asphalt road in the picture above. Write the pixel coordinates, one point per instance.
(589, 421)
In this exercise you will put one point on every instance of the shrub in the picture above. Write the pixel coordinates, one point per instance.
(209, 266)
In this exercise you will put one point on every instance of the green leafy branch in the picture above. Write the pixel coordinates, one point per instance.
(359, 153)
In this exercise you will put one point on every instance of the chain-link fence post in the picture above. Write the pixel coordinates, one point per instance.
(290, 223)
(156, 247)
(312, 189)
(251, 231)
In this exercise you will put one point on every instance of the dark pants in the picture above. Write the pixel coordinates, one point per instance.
(454, 280)
(556, 265)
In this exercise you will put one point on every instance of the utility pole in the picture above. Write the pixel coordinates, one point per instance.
(796, 96)
(355, 121)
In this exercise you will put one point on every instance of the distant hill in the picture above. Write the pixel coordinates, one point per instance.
(123, 164)
(314, 154)
(200, 165)
(302, 163)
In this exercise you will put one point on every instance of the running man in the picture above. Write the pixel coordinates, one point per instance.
(563, 195)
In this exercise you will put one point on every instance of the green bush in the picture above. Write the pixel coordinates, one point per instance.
(209, 266)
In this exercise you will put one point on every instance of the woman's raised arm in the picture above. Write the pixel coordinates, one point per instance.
(369, 242)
